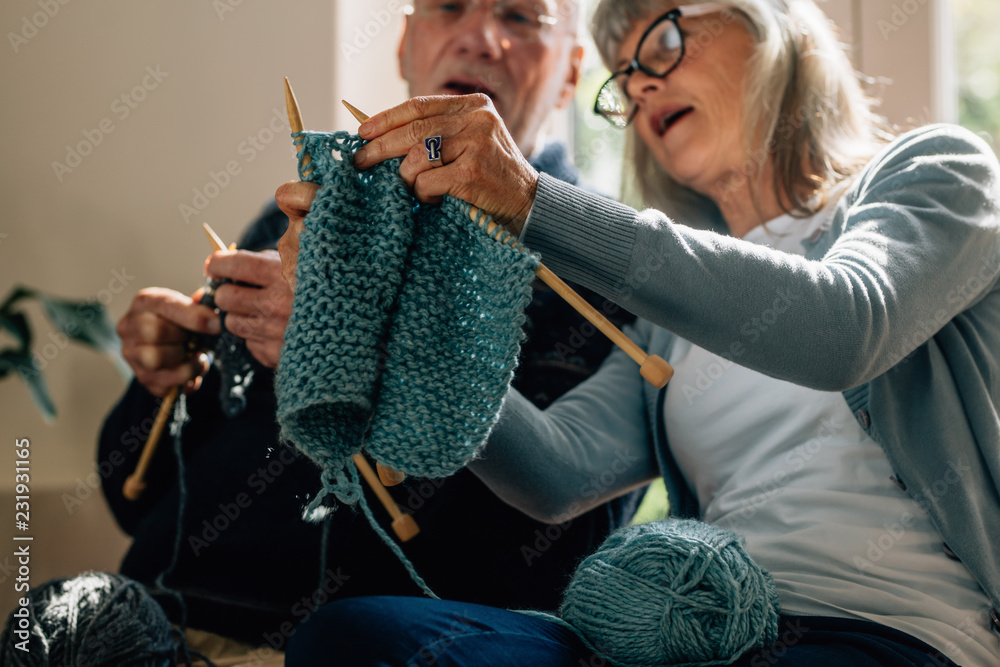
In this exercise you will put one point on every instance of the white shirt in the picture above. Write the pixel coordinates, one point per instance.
(790, 469)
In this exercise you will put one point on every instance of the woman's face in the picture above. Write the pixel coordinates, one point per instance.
(692, 120)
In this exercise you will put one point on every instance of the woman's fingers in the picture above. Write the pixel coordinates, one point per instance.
(394, 132)
(418, 108)
(479, 161)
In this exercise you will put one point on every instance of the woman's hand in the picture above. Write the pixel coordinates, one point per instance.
(480, 163)
(294, 199)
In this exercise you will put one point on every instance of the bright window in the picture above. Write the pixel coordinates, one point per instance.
(977, 55)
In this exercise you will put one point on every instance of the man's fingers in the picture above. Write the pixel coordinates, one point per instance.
(255, 326)
(157, 357)
(179, 309)
(145, 327)
(160, 381)
(182, 374)
(416, 108)
(255, 268)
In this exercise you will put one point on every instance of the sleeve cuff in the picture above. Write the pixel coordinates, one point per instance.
(581, 235)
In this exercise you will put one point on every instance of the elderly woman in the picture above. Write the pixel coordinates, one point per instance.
(828, 298)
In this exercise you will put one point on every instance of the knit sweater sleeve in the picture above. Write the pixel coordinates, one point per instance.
(588, 447)
(915, 242)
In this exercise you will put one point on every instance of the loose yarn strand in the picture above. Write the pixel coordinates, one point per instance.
(180, 418)
(396, 549)
(176, 426)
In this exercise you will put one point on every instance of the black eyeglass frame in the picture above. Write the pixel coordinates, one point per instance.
(634, 64)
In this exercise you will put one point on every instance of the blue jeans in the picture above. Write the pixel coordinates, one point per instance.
(418, 632)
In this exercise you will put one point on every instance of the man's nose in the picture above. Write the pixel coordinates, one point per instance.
(480, 35)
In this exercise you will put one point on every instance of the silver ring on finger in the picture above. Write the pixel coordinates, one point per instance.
(433, 146)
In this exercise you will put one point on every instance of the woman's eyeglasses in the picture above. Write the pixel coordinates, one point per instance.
(660, 51)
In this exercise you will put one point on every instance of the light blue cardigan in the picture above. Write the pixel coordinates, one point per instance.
(896, 305)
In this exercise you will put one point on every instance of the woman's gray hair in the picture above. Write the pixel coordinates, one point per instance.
(804, 106)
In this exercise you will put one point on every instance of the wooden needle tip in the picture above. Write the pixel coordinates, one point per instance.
(388, 476)
(213, 238)
(359, 115)
(292, 107)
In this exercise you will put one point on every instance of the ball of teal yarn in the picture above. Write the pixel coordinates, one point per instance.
(672, 592)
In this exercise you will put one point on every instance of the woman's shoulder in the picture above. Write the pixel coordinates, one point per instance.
(936, 143)
(939, 162)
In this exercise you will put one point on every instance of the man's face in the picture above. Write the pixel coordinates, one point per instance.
(462, 47)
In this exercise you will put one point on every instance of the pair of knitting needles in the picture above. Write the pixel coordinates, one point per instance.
(652, 367)
(403, 524)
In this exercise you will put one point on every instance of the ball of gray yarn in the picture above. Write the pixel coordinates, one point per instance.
(93, 620)
(672, 592)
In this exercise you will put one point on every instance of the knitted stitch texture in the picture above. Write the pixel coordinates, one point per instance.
(405, 315)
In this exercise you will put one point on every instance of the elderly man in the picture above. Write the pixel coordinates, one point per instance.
(249, 567)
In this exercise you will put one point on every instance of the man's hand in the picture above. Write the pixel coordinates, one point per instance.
(154, 334)
(257, 314)
(294, 199)
(480, 163)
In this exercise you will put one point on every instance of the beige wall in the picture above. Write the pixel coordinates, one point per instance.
(905, 45)
(112, 224)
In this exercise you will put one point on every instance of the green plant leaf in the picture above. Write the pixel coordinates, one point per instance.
(16, 294)
(20, 361)
(87, 322)
(17, 324)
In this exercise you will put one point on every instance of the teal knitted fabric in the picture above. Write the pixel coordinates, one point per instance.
(406, 320)
(453, 344)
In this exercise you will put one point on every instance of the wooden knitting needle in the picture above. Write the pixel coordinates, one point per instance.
(403, 524)
(136, 484)
(652, 367)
